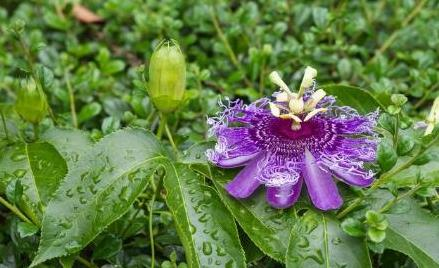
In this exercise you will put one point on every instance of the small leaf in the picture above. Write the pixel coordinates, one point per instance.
(26, 229)
(206, 228)
(99, 189)
(353, 227)
(89, 111)
(107, 247)
(376, 235)
(386, 155)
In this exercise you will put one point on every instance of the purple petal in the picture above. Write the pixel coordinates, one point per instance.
(246, 182)
(284, 196)
(356, 177)
(321, 187)
(238, 161)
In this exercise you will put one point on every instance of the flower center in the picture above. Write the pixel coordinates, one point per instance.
(291, 106)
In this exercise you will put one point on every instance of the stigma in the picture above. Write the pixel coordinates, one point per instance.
(291, 105)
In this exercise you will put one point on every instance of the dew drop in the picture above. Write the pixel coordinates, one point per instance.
(336, 240)
(303, 242)
(80, 189)
(69, 193)
(207, 248)
(220, 251)
(192, 228)
(204, 218)
(19, 173)
(72, 246)
(124, 193)
(82, 200)
(18, 157)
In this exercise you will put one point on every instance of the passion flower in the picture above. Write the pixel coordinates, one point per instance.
(298, 137)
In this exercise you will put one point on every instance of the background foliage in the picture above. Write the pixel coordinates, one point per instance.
(109, 190)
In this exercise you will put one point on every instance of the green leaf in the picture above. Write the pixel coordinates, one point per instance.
(70, 143)
(39, 167)
(26, 229)
(353, 227)
(267, 227)
(414, 232)
(355, 97)
(98, 190)
(317, 240)
(386, 155)
(89, 111)
(206, 228)
(107, 247)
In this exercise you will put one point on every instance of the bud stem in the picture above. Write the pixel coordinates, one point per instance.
(5, 127)
(71, 99)
(36, 131)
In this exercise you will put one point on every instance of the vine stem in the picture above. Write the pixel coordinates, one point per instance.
(384, 177)
(85, 262)
(15, 210)
(227, 45)
(395, 200)
(71, 99)
(389, 41)
(162, 123)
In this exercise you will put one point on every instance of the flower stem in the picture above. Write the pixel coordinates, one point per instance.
(171, 140)
(14, 210)
(71, 99)
(162, 124)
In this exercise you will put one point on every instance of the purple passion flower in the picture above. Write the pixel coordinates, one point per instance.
(297, 137)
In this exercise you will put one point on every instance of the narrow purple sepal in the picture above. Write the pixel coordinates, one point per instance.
(321, 187)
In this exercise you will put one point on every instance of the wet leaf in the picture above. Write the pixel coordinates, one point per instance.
(206, 228)
(98, 190)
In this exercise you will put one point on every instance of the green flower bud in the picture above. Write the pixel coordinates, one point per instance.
(167, 76)
(31, 102)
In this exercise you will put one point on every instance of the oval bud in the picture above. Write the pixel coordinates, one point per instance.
(167, 76)
(31, 102)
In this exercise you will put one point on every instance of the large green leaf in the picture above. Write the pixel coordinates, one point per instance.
(98, 190)
(70, 143)
(317, 241)
(206, 228)
(355, 97)
(415, 232)
(39, 168)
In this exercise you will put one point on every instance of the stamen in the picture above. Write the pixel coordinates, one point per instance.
(275, 78)
(291, 116)
(274, 109)
(282, 97)
(313, 113)
(314, 99)
(308, 79)
(296, 105)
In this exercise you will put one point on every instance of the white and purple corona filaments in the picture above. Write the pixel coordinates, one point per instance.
(298, 137)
